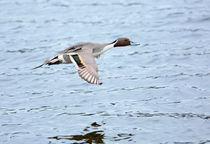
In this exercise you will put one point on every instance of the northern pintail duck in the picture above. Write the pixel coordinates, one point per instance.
(82, 56)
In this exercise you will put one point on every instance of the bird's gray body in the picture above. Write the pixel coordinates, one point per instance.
(63, 56)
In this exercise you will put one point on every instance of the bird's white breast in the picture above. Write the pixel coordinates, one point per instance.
(104, 49)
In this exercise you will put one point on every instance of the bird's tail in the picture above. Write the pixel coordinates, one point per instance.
(51, 61)
(38, 66)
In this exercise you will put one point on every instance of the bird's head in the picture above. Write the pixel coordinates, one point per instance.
(124, 42)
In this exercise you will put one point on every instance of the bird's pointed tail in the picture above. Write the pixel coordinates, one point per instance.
(46, 62)
(51, 61)
(38, 66)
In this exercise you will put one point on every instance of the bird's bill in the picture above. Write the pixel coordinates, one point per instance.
(134, 43)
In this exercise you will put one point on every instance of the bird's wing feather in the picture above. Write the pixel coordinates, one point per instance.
(86, 65)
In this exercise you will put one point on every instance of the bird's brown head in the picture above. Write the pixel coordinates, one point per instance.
(124, 42)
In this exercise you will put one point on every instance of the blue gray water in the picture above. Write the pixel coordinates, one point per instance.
(155, 93)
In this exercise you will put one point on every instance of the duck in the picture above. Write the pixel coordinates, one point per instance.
(83, 57)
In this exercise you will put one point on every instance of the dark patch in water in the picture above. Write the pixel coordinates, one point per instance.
(96, 136)
(91, 137)
(95, 124)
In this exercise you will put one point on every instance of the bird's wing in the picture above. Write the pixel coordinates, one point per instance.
(74, 48)
(86, 65)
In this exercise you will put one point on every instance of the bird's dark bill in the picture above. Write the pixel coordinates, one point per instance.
(134, 43)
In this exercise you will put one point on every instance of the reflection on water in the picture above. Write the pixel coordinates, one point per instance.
(96, 136)
(91, 134)
(91, 137)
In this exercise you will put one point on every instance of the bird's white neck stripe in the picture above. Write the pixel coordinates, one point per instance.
(108, 47)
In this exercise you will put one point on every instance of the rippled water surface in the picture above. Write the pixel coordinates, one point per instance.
(158, 92)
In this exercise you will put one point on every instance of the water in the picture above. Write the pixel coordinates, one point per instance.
(157, 92)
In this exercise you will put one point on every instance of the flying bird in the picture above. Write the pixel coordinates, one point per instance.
(82, 56)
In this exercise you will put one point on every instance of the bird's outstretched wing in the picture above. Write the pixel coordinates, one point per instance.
(86, 65)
